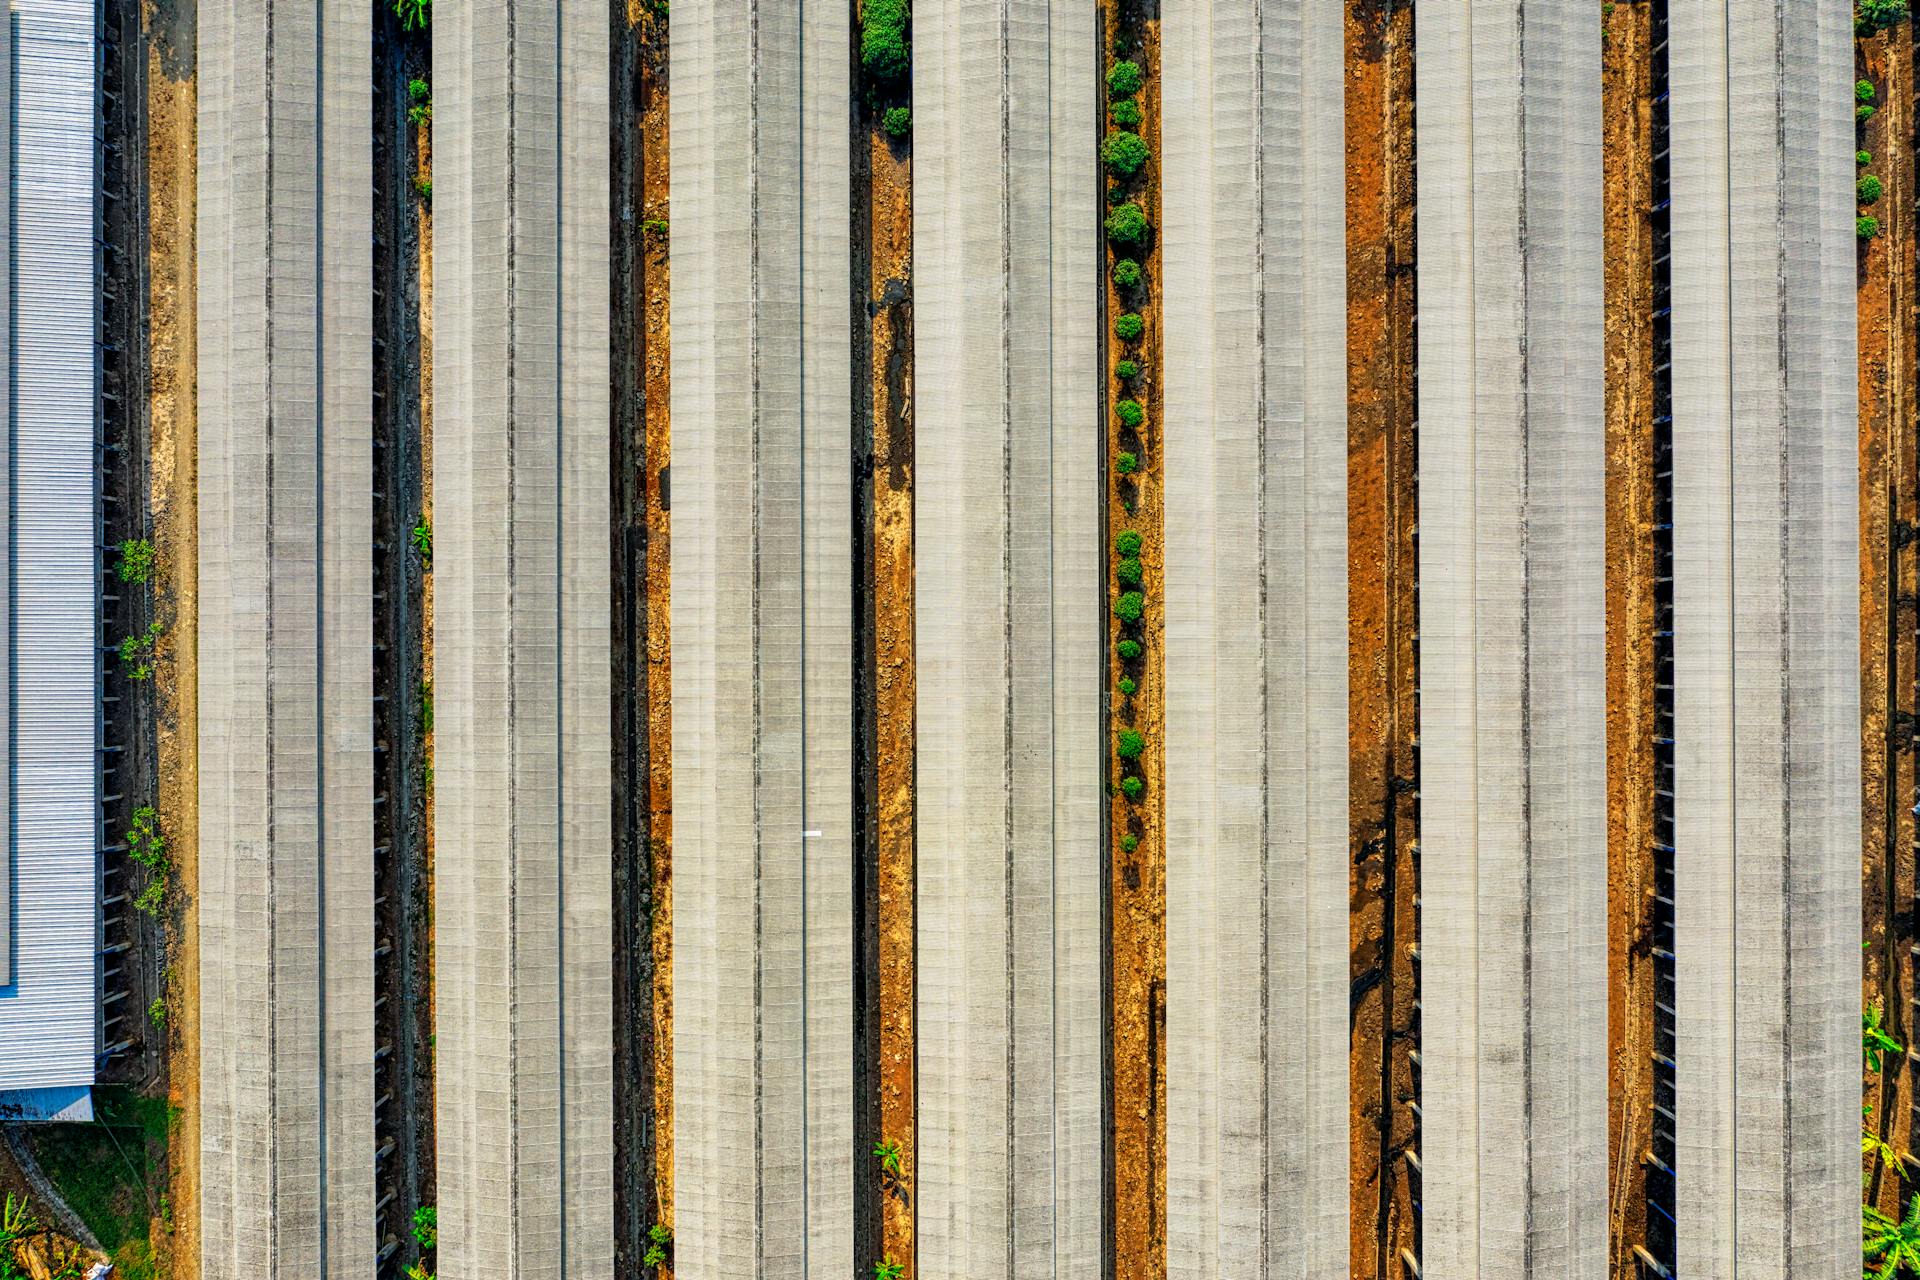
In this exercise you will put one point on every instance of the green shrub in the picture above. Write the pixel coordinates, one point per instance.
(1127, 686)
(1126, 273)
(1866, 226)
(1870, 16)
(1868, 189)
(884, 49)
(419, 103)
(1129, 606)
(1128, 571)
(1128, 543)
(1863, 113)
(1128, 650)
(1129, 842)
(1126, 463)
(1127, 224)
(414, 14)
(1130, 412)
(1123, 153)
(1132, 787)
(1863, 158)
(1124, 79)
(1130, 744)
(426, 1226)
(898, 122)
(1863, 90)
(136, 561)
(1127, 370)
(1129, 326)
(1126, 114)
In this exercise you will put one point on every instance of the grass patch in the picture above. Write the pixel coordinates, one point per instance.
(107, 1170)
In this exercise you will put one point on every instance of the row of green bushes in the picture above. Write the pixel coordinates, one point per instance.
(1868, 189)
(886, 55)
(1125, 155)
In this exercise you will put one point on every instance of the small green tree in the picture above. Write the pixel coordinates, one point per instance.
(885, 50)
(1870, 16)
(1129, 744)
(1863, 113)
(1128, 650)
(898, 122)
(1124, 153)
(1875, 1042)
(1129, 326)
(136, 561)
(1124, 79)
(1126, 463)
(1863, 158)
(1128, 543)
(1127, 686)
(1126, 273)
(1127, 370)
(1888, 1246)
(136, 652)
(1130, 412)
(1131, 787)
(419, 103)
(1866, 226)
(1869, 189)
(1129, 606)
(1129, 842)
(1128, 225)
(1863, 91)
(888, 1270)
(1128, 572)
(1125, 113)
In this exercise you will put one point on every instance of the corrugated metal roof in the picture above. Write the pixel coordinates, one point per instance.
(47, 1015)
(6, 503)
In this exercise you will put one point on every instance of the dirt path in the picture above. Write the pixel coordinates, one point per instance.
(1632, 555)
(1383, 606)
(172, 497)
(642, 715)
(1136, 827)
(1888, 510)
(657, 372)
(883, 231)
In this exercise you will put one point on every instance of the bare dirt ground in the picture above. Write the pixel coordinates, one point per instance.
(173, 480)
(1138, 882)
(1888, 579)
(1383, 612)
(889, 233)
(423, 142)
(657, 371)
(1632, 556)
